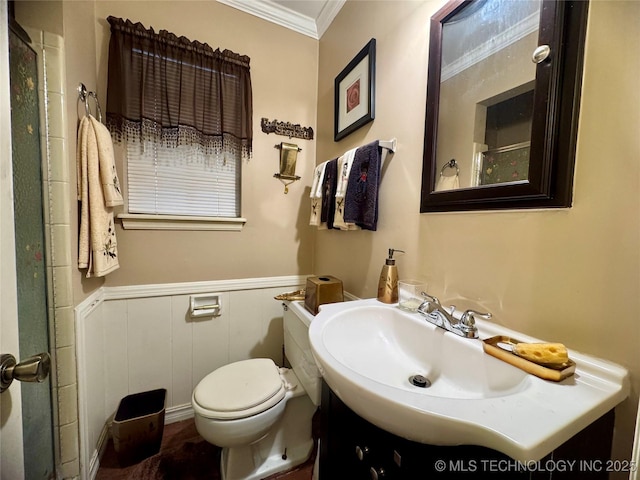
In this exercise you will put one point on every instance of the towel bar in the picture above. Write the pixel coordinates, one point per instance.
(390, 145)
(83, 95)
(450, 164)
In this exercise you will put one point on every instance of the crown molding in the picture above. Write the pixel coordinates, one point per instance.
(329, 12)
(285, 17)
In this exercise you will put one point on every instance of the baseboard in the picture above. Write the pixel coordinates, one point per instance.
(178, 413)
(101, 446)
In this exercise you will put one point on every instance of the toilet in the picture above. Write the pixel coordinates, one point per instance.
(260, 413)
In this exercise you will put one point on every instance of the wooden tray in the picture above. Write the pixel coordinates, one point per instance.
(555, 373)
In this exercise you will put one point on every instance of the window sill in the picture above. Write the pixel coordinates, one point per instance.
(136, 221)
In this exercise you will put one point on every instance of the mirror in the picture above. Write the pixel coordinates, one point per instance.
(502, 104)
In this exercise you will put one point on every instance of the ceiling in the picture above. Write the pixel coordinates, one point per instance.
(309, 17)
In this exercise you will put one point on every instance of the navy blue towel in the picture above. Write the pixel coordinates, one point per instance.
(361, 199)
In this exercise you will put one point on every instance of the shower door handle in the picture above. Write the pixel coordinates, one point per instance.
(32, 369)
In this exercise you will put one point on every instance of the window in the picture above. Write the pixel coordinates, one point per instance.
(504, 153)
(183, 112)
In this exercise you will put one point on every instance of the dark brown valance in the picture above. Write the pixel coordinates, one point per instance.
(177, 91)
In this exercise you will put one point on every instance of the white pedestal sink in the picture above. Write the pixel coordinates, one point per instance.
(368, 351)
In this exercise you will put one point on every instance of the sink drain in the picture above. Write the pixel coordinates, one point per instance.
(420, 381)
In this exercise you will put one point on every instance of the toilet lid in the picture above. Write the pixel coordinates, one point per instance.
(240, 389)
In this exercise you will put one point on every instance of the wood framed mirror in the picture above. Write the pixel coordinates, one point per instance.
(503, 98)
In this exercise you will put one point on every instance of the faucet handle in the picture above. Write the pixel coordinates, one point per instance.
(469, 317)
(430, 298)
(427, 305)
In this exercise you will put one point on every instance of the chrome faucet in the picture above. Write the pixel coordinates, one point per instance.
(435, 313)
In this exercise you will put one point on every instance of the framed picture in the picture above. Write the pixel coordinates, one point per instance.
(355, 92)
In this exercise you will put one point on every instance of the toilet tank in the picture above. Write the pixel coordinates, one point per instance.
(297, 348)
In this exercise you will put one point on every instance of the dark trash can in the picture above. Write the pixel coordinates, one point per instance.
(137, 426)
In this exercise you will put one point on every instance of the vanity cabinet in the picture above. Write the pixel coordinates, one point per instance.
(353, 448)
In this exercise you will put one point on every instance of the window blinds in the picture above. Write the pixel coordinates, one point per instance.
(181, 180)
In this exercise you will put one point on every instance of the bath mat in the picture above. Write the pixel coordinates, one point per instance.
(179, 458)
(191, 461)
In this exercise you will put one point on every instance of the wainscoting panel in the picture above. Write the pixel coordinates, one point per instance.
(149, 345)
(143, 338)
(209, 338)
(115, 352)
(257, 327)
(185, 333)
(92, 408)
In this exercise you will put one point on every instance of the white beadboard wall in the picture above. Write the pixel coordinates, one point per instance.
(139, 338)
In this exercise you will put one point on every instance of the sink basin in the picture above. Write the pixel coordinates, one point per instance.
(372, 355)
(387, 346)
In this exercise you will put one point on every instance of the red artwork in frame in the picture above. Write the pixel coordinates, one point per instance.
(355, 93)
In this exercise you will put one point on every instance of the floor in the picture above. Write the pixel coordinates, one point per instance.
(183, 455)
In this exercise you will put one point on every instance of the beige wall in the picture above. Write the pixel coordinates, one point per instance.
(80, 47)
(284, 76)
(284, 66)
(568, 275)
(43, 14)
(401, 32)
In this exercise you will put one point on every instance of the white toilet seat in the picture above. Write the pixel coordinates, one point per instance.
(239, 390)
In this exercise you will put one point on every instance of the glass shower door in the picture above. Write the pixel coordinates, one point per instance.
(37, 417)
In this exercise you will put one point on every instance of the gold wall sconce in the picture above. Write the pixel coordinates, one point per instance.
(288, 156)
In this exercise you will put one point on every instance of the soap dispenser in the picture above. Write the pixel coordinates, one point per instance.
(388, 283)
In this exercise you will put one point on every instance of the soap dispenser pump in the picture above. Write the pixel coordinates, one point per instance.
(388, 283)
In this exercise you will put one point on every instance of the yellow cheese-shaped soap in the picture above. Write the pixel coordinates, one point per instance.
(542, 352)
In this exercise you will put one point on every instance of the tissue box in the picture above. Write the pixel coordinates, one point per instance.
(322, 290)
